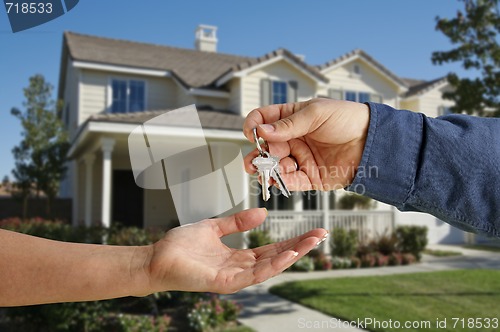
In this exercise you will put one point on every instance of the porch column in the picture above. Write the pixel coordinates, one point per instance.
(74, 168)
(107, 145)
(325, 197)
(89, 164)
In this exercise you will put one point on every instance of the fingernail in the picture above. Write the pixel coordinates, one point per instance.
(295, 254)
(321, 241)
(267, 128)
(267, 212)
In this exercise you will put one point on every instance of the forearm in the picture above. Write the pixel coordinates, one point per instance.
(447, 167)
(35, 270)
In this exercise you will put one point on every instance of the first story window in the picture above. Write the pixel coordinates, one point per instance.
(127, 96)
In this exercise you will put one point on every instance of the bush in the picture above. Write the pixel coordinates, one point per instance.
(365, 249)
(344, 243)
(395, 259)
(368, 260)
(381, 260)
(79, 316)
(258, 238)
(209, 314)
(386, 244)
(320, 261)
(355, 262)
(350, 201)
(408, 258)
(412, 239)
(341, 262)
(140, 323)
(133, 236)
(305, 264)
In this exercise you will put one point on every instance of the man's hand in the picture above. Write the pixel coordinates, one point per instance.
(320, 141)
(193, 257)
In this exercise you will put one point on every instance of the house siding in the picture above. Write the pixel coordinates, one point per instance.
(281, 71)
(431, 101)
(235, 95)
(411, 105)
(342, 78)
(161, 93)
(217, 103)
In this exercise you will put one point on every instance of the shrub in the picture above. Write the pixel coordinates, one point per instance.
(78, 316)
(365, 249)
(209, 314)
(320, 261)
(351, 200)
(368, 260)
(395, 259)
(412, 239)
(133, 236)
(344, 243)
(341, 262)
(386, 244)
(305, 264)
(140, 323)
(258, 238)
(381, 260)
(355, 262)
(408, 258)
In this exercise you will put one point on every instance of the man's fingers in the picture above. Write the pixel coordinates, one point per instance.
(269, 114)
(239, 222)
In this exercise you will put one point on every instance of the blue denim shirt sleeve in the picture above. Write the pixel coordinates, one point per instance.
(447, 166)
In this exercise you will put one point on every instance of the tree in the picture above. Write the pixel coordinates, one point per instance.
(475, 34)
(41, 155)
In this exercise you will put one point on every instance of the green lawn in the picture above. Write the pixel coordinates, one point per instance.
(414, 298)
(442, 253)
(482, 247)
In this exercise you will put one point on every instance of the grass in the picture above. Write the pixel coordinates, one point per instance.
(482, 247)
(442, 253)
(417, 297)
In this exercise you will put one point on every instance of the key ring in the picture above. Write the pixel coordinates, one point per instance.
(259, 148)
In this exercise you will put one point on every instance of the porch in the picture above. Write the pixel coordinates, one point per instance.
(283, 225)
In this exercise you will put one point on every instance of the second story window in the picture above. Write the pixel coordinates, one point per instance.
(360, 97)
(279, 92)
(127, 96)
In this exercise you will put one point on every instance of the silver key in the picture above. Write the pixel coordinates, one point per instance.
(275, 173)
(265, 167)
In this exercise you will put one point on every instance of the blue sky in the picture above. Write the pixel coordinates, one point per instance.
(399, 34)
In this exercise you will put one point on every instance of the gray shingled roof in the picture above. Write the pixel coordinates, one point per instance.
(365, 55)
(193, 68)
(418, 87)
(210, 119)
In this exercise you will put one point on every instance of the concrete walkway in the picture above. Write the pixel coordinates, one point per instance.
(265, 312)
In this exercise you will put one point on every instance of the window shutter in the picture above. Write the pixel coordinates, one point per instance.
(265, 92)
(440, 110)
(292, 88)
(376, 98)
(335, 94)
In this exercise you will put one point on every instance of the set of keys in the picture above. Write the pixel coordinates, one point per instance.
(268, 167)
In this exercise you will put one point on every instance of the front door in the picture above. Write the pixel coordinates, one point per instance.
(128, 200)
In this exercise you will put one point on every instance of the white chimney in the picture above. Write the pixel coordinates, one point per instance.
(206, 38)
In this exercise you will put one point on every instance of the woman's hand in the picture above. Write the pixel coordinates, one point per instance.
(193, 257)
(320, 141)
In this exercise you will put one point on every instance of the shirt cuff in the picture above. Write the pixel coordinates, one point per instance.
(390, 158)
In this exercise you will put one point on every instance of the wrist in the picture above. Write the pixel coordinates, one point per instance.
(140, 271)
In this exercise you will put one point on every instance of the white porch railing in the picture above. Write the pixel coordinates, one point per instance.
(287, 224)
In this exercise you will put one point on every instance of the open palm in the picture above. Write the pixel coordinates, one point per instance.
(193, 257)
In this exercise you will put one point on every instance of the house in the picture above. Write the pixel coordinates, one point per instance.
(111, 86)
